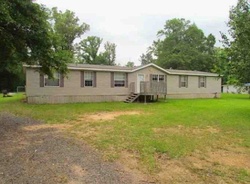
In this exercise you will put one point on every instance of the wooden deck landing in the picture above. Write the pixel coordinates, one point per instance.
(148, 90)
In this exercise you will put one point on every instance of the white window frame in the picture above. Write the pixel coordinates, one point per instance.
(118, 78)
(163, 78)
(183, 81)
(56, 76)
(202, 81)
(158, 77)
(86, 78)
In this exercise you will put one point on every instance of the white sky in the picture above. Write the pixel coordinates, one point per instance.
(133, 24)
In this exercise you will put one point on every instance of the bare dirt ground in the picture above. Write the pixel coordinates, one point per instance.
(105, 116)
(31, 152)
(216, 165)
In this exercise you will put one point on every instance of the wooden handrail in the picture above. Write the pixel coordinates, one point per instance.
(153, 87)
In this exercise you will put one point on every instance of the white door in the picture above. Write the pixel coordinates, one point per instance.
(140, 78)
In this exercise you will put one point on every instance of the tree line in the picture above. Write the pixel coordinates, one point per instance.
(36, 35)
(182, 45)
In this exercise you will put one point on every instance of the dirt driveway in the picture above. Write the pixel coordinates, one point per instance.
(46, 155)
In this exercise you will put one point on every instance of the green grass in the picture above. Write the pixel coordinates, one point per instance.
(176, 128)
(54, 113)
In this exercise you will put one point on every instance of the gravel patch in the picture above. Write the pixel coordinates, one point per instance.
(48, 156)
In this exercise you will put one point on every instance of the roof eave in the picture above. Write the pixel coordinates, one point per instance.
(133, 70)
(194, 74)
(77, 68)
(99, 69)
(151, 64)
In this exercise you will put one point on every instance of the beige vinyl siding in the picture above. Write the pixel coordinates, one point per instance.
(72, 85)
(213, 85)
(74, 98)
(147, 72)
(73, 92)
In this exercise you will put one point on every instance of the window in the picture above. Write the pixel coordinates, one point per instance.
(161, 78)
(88, 78)
(183, 81)
(158, 78)
(52, 81)
(154, 77)
(202, 82)
(119, 79)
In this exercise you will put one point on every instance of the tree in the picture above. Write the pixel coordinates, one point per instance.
(238, 45)
(65, 29)
(25, 37)
(222, 66)
(10, 79)
(130, 64)
(182, 45)
(148, 57)
(110, 53)
(88, 50)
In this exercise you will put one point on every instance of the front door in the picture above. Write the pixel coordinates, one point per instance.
(140, 78)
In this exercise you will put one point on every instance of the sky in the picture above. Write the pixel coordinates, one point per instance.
(133, 24)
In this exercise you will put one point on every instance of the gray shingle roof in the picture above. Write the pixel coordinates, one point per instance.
(134, 69)
(190, 72)
(129, 69)
(104, 67)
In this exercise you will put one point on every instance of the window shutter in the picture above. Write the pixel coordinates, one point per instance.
(61, 80)
(82, 78)
(179, 81)
(186, 81)
(199, 82)
(94, 79)
(151, 77)
(41, 80)
(112, 79)
(126, 80)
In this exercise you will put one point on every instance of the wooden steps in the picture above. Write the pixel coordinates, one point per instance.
(132, 97)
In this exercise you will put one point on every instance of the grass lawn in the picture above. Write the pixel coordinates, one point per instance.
(173, 141)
